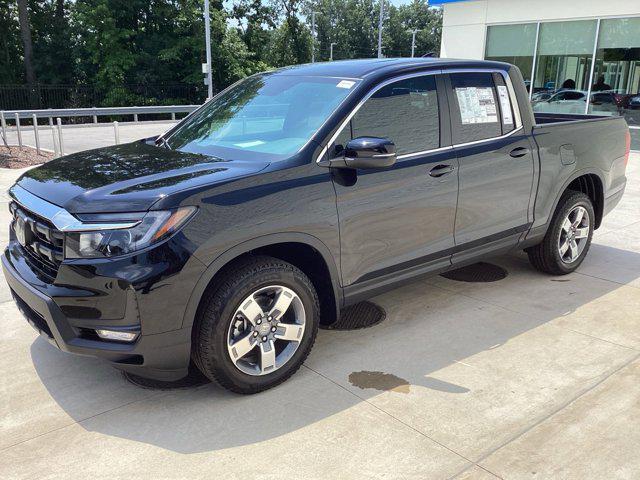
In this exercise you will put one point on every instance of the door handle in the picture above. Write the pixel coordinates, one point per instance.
(440, 170)
(519, 152)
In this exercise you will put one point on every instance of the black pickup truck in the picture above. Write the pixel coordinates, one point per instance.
(224, 243)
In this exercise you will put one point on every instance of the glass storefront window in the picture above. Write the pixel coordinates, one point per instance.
(513, 44)
(616, 78)
(563, 66)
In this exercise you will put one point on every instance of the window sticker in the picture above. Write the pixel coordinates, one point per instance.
(505, 105)
(477, 105)
(345, 84)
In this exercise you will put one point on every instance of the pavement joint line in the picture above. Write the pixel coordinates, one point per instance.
(493, 474)
(635, 349)
(604, 377)
(528, 315)
(79, 422)
(606, 279)
(419, 432)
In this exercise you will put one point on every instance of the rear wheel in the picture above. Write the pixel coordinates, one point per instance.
(568, 239)
(257, 327)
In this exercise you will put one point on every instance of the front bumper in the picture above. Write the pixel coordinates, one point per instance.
(161, 351)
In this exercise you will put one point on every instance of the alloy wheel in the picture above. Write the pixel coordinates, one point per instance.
(266, 330)
(574, 234)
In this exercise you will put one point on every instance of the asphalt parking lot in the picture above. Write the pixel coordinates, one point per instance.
(529, 377)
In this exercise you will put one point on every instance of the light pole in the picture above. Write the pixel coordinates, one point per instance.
(413, 40)
(207, 39)
(313, 37)
(380, 29)
(331, 51)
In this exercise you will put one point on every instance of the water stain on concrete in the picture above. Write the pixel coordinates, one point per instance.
(385, 382)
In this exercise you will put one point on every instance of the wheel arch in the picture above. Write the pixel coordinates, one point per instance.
(304, 251)
(589, 182)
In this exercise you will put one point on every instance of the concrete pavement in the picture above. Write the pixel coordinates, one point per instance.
(532, 376)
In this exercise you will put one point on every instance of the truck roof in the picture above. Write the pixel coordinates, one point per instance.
(367, 67)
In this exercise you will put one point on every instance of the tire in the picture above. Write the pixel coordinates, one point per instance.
(547, 256)
(222, 322)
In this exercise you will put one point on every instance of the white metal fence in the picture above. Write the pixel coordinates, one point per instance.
(15, 116)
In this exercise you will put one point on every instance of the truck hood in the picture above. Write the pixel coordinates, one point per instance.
(127, 178)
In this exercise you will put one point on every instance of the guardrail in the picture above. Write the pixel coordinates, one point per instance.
(56, 127)
(98, 112)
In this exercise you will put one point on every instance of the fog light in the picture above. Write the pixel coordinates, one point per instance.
(117, 335)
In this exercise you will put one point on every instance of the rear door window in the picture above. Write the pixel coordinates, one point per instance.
(475, 110)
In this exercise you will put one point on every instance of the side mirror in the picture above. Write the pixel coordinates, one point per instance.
(365, 152)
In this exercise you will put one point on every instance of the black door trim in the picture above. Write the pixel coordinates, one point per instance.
(442, 254)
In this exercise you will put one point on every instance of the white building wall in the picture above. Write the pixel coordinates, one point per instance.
(464, 23)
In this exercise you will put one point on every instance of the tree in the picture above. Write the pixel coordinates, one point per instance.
(256, 23)
(25, 32)
(353, 26)
(11, 67)
(292, 40)
(131, 50)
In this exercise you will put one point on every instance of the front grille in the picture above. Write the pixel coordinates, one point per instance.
(41, 242)
(32, 316)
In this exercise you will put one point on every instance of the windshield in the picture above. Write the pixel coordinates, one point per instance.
(274, 115)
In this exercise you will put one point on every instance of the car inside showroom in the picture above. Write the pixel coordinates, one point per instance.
(568, 51)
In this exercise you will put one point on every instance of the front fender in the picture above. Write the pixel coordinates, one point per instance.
(263, 241)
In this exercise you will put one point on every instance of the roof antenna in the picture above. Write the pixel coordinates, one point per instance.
(430, 55)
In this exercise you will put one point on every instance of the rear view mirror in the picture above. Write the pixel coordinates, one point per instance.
(366, 152)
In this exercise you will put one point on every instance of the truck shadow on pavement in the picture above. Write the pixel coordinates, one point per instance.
(431, 324)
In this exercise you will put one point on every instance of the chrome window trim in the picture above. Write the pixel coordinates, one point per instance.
(425, 152)
(61, 219)
(476, 142)
(512, 97)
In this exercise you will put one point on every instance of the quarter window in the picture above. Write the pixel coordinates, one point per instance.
(406, 112)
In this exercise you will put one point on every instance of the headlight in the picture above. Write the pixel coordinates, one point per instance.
(152, 228)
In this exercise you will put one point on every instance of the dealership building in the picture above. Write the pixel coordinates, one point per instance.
(568, 50)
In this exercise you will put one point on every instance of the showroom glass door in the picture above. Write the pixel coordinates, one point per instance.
(563, 66)
(616, 79)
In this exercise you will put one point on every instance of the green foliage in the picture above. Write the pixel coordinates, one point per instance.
(114, 43)
(10, 44)
(353, 26)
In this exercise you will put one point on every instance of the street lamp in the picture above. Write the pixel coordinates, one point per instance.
(413, 40)
(313, 37)
(380, 29)
(331, 51)
(207, 39)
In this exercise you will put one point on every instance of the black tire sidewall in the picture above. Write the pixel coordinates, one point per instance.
(222, 363)
(571, 201)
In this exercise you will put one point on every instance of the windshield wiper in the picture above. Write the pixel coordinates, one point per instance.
(163, 142)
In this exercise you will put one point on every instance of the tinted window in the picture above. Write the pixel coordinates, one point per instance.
(573, 96)
(505, 106)
(405, 112)
(475, 114)
(600, 98)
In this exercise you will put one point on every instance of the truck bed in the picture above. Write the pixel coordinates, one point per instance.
(569, 145)
(543, 118)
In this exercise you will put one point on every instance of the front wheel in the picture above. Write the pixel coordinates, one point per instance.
(568, 239)
(257, 327)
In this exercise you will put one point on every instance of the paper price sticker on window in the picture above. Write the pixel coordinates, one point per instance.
(505, 105)
(346, 84)
(477, 105)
